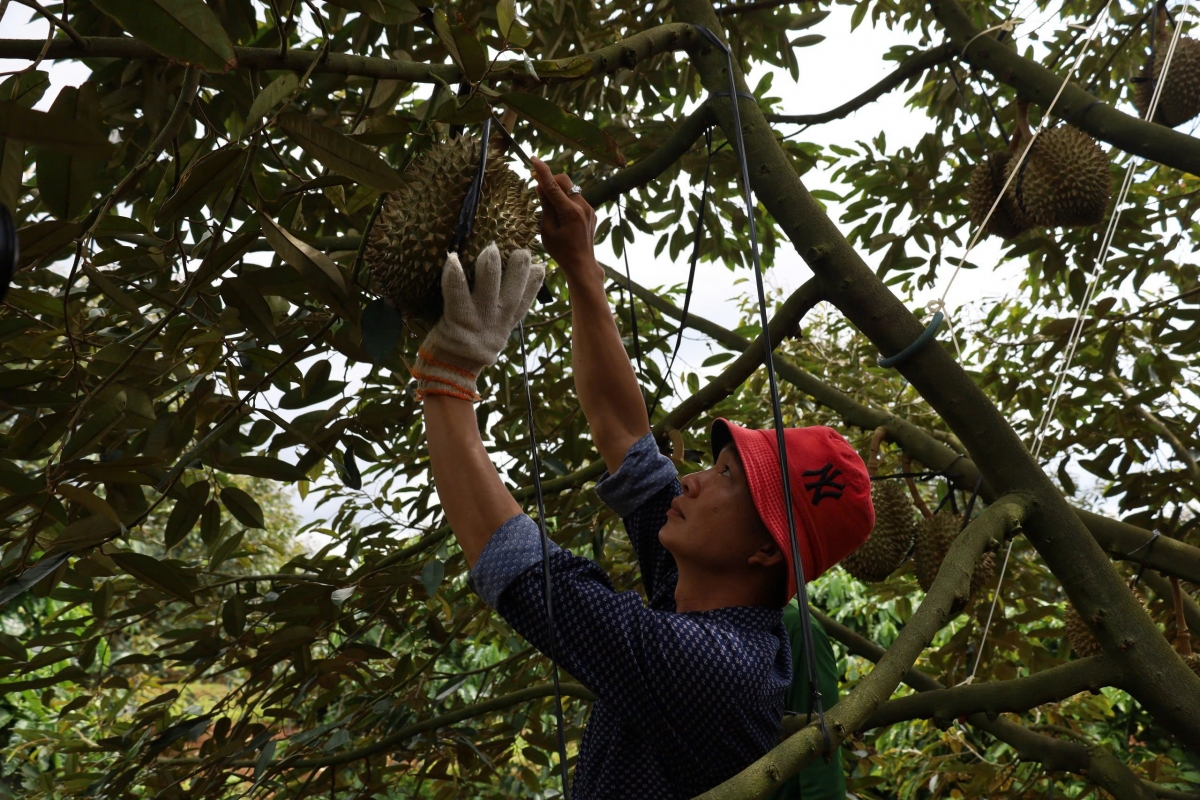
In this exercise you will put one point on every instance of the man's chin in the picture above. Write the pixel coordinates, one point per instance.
(671, 530)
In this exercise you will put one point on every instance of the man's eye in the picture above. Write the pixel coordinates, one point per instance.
(725, 471)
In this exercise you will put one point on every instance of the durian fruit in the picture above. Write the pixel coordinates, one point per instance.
(934, 537)
(890, 539)
(1080, 636)
(408, 245)
(987, 181)
(1065, 178)
(1180, 98)
(1081, 639)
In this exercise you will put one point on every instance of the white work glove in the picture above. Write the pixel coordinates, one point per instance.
(475, 326)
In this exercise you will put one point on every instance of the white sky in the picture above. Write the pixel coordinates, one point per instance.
(856, 61)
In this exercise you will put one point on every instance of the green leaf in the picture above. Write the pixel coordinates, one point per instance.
(203, 179)
(340, 153)
(114, 292)
(807, 20)
(381, 328)
(233, 616)
(160, 575)
(719, 358)
(225, 549)
(210, 522)
(55, 131)
(386, 12)
(325, 279)
(90, 501)
(186, 31)
(272, 95)
(14, 480)
(66, 182)
(567, 128)
(253, 309)
(86, 532)
(431, 576)
(94, 428)
(808, 40)
(262, 467)
(471, 55)
(29, 577)
(510, 29)
(11, 647)
(44, 238)
(243, 507)
(186, 514)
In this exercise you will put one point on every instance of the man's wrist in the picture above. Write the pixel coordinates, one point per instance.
(584, 275)
(437, 377)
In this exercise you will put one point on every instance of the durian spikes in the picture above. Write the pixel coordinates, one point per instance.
(895, 524)
(1179, 100)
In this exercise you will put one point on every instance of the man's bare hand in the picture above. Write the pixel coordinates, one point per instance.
(568, 223)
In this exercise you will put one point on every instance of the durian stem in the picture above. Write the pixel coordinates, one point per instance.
(918, 501)
(1022, 133)
(1183, 639)
(873, 459)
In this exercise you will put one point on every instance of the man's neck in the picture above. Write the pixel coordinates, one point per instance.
(700, 591)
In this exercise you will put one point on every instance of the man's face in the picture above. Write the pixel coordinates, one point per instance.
(713, 526)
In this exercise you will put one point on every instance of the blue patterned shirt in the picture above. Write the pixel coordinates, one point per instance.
(683, 700)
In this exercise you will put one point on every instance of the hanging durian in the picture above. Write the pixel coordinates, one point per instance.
(407, 246)
(1080, 636)
(1179, 100)
(895, 524)
(1063, 180)
(987, 181)
(935, 534)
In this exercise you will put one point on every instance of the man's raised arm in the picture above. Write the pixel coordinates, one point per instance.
(604, 379)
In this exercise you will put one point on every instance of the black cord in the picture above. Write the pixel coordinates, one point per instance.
(687, 297)
(966, 108)
(769, 357)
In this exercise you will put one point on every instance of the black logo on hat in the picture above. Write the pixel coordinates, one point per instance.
(826, 484)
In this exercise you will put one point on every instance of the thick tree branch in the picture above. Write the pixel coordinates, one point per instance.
(623, 55)
(995, 697)
(1121, 540)
(1096, 764)
(1156, 676)
(1038, 84)
(909, 68)
(647, 169)
(951, 585)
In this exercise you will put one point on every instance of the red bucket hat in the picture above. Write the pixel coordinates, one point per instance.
(831, 491)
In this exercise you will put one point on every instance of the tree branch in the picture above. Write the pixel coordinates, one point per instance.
(951, 585)
(647, 169)
(1040, 85)
(1096, 764)
(1120, 540)
(625, 54)
(907, 69)
(62, 24)
(995, 697)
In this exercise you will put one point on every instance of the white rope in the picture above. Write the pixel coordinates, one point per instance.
(1077, 329)
(940, 304)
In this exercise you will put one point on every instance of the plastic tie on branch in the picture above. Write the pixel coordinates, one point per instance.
(918, 344)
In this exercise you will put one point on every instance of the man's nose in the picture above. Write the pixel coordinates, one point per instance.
(691, 483)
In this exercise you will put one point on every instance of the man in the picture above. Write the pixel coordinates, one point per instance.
(691, 689)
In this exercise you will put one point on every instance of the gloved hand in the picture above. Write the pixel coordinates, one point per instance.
(475, 326)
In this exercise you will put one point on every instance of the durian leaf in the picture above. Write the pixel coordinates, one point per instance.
(58, 132)
(158, 574)
(253, 309)
(512, 30)
(326, 281)
(186, 31)
(272, 95)
(381, 328)
(471, 55)
(474, 110)
(573, 131)
(43, 238)
(65, 182)
(263, 467)
(202, 180)
(386, 12)
(340, 153)
(243, 507)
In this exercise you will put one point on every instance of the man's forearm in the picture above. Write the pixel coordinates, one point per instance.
(604, 379)
(470, 490)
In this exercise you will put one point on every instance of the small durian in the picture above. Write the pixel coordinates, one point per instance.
(1079, 636)
(890, 539)
(1179, 101)
(934, 537)
(987, 181)
(408, 244)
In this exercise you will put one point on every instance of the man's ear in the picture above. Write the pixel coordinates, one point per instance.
(768, 555)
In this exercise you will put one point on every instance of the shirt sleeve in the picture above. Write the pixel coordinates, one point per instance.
(640, 492)
(514, 547)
